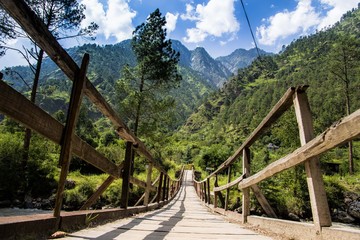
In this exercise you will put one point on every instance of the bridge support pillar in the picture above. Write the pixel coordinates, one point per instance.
(319, 204)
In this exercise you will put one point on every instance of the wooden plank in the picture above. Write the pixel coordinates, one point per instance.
(35, 28)
(71, 120)
(245, 191)
(19, 108)
(341, 132)
(318, 199)
(126, 176)
(97, 193)
(276, 112)
(148, 184)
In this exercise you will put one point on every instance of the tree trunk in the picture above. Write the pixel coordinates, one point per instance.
(27, 136)
(350, 145)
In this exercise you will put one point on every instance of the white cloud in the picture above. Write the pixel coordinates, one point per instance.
(302, 20)
(337, 9)
(286, 23)
(171, 20)
(214, 19)
(115, 21)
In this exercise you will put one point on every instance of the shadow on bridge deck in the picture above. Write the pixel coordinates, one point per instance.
(184, 218)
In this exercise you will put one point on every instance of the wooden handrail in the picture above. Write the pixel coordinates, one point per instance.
(280, 107)
(343, 131)
(230, 184)
(35, 28)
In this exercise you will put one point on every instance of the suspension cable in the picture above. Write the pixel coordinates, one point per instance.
(248, 22)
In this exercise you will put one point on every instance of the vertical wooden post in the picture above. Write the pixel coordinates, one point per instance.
(215, 193)
(319, 204)
(246, 191)
(227, 190)
(204, 189)
(219, 195)
(158, 198)
(167, 189)
(148, 185)
(66, 146)
(208, 190)
(164, 187)
(126, 176)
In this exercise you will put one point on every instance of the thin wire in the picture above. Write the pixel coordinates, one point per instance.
(252, 34)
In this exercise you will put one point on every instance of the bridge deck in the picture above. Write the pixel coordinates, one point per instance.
(184, 218)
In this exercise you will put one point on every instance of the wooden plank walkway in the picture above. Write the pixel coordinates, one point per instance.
(183, 218)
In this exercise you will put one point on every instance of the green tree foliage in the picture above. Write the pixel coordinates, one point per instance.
(7, 30)
(156, 71)
(344, 60)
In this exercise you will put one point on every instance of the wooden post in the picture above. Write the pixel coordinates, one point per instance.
(215, 193)
(158, 197)
(148, 185)
(167, 189)
(126, 176)
(204, 190)
(66, 146)
(318, 199)
(208, 190)
(164, 187)
(98, 192)
(227, 190)
(219, 195)
(246, 191)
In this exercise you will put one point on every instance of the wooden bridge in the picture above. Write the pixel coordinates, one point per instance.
(183, 218)
(185, 215)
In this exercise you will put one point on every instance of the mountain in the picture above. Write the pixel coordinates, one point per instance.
(240, 58)
(201, 74)
(202, 62)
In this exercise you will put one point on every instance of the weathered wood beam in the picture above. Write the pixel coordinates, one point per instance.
(245, 191)
(341, 132)
(229, 185)
(158, 197)
(71, 120)
(276, 112)
(140, 183)
(97, 193)
(228, 189)
(317, 193)
(35, 28)
(19, 108)
(124, 200)
(148, 184)
(263, 201)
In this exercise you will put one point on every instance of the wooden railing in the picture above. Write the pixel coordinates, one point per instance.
(19, 108)
(343, 131)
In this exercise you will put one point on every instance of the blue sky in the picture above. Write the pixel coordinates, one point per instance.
(217, 25)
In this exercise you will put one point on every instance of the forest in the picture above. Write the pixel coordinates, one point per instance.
(191, 121)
